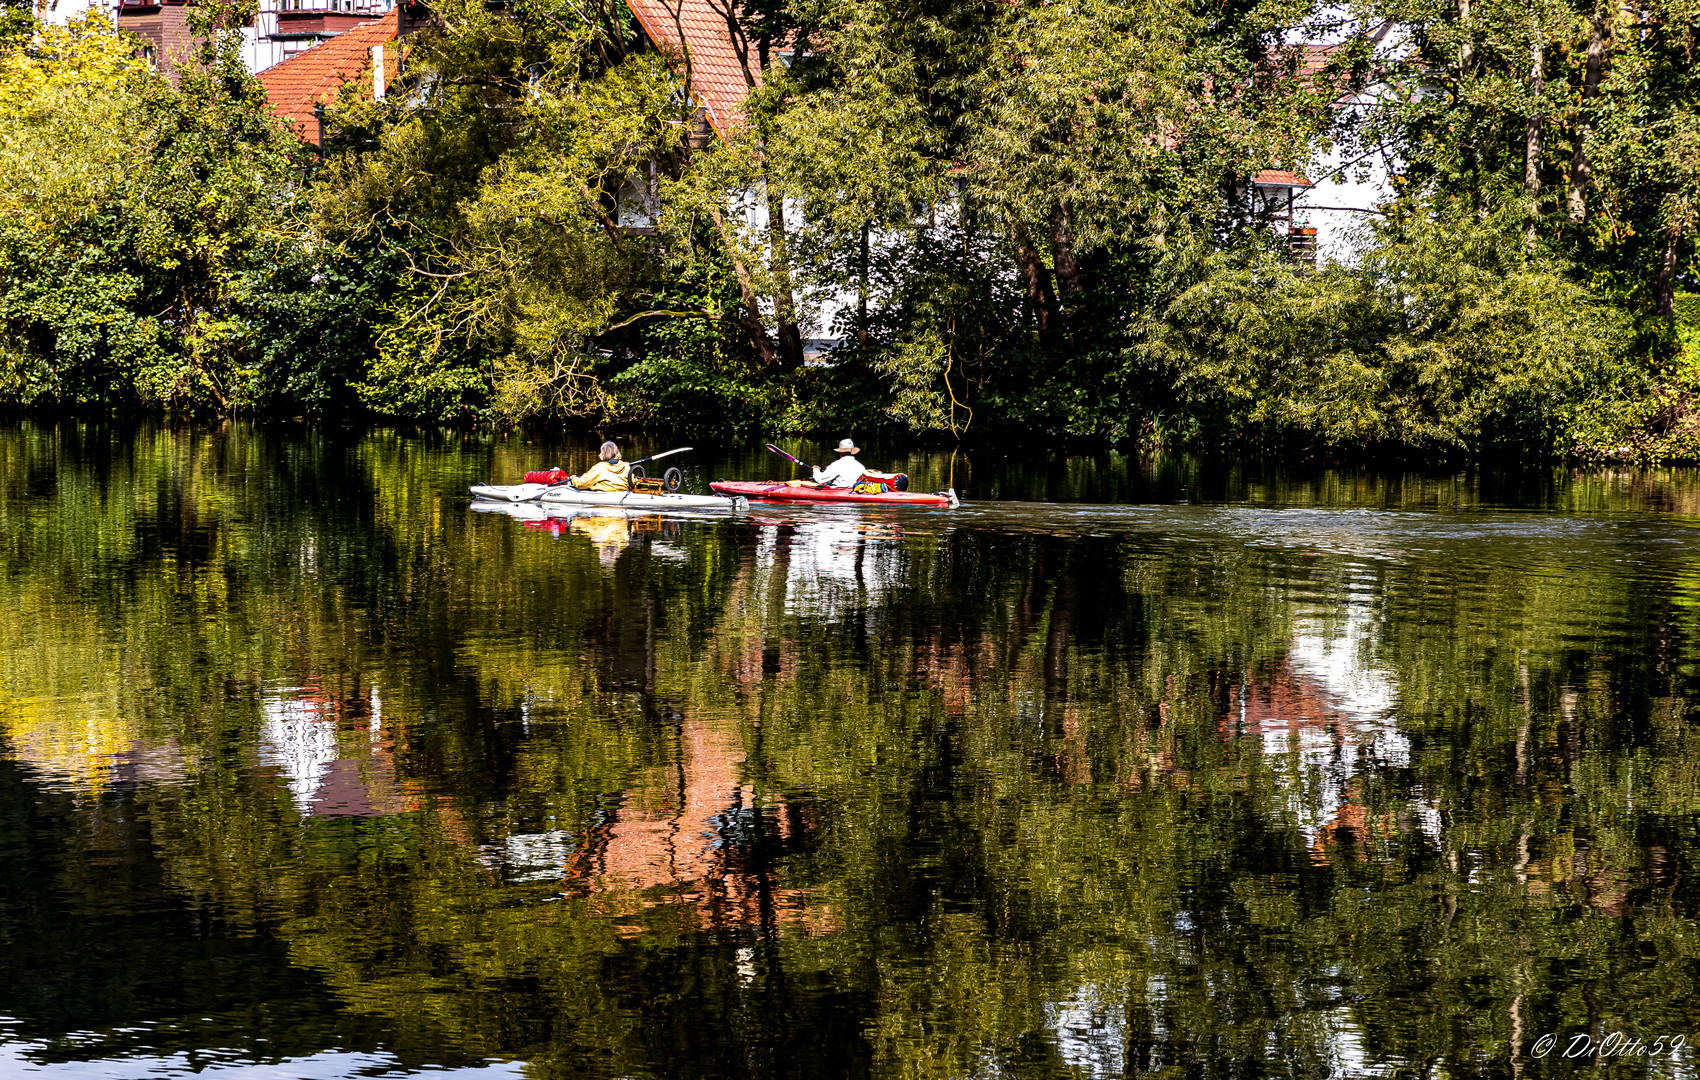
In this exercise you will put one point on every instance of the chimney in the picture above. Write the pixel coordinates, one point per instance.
(378, 73)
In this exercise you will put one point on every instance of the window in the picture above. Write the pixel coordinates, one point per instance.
(638, 203)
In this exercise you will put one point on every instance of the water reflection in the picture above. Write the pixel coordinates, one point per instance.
(303, 762)
(1324, 718)
(694, 837)
(25, 1059)
(826, 564)
(609, 529)
(331, 750)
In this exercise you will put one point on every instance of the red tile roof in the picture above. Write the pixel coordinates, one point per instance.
(1280, 178)
(314, 77)
(716, 72)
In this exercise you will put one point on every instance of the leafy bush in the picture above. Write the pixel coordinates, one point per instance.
(1445, 337)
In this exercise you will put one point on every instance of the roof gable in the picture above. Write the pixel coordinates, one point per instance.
(702, 32)
(312, 78)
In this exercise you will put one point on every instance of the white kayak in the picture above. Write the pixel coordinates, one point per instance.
(512, 493)
(563, 495)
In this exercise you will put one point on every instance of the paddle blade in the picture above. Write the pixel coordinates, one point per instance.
(786, 456)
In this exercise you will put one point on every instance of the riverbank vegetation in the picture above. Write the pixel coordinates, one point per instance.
(1029, 219)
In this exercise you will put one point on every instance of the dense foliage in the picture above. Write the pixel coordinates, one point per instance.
(144, 251)
(1028, 217)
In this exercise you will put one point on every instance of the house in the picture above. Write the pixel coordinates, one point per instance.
(1352, 183)
(704, 33)
(1275, 193)
(287, 27)
(163, 27)
(321, 45)
(709, 51)
(280, 29)
(60, 12)
(300, 86)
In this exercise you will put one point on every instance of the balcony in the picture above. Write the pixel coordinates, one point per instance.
(366, 8)
(1301, 241)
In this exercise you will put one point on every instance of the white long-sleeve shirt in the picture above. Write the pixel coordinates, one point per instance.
(842, 473)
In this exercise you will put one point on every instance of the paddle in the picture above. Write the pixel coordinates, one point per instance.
(789, 458)
(658, 457)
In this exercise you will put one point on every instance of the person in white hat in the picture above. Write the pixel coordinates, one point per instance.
(845, 471)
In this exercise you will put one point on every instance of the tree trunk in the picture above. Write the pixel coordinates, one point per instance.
(862, 294)
(784, 303)
(1037, 277)
(1466, 59)
(1581, 169)
(1062, 250)
(752, 307)
(1532, 133)
(1664, 286)
(1465, 53)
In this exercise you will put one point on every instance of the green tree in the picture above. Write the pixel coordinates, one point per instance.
(123, 265)
(941, 159)
(1446, 337)
(503, 196)
(1587, 111)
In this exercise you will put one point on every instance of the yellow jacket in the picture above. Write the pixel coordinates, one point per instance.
(604, 476)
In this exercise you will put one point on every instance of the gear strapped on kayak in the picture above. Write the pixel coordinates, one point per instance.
(780, 492)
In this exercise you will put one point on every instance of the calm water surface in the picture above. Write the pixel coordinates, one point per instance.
(309, 770)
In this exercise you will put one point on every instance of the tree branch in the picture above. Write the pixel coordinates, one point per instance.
(669, 315)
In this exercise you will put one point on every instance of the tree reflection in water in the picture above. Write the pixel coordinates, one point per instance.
(1351, 775)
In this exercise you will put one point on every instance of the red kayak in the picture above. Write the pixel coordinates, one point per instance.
(803, 493)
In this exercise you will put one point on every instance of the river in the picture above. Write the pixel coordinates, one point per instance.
(307, 769)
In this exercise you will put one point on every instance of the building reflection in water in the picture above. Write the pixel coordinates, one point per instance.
(694, 836)
(332, 751)
(824, 568)
(1323, 718)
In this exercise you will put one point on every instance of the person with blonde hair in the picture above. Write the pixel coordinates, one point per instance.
(608, 474)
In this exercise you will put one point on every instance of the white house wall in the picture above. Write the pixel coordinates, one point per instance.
(60, 12)
(259, 49)
(1351, 185)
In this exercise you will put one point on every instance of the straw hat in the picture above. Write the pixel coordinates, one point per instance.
(846, 446)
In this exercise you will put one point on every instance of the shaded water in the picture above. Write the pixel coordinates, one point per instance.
(306, 769)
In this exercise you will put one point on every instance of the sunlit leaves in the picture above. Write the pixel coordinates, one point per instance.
(1441, 339)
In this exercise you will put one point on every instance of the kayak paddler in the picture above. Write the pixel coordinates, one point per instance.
(842, 473)
(608, 474)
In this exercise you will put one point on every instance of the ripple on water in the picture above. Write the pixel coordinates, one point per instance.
(56, 1063)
